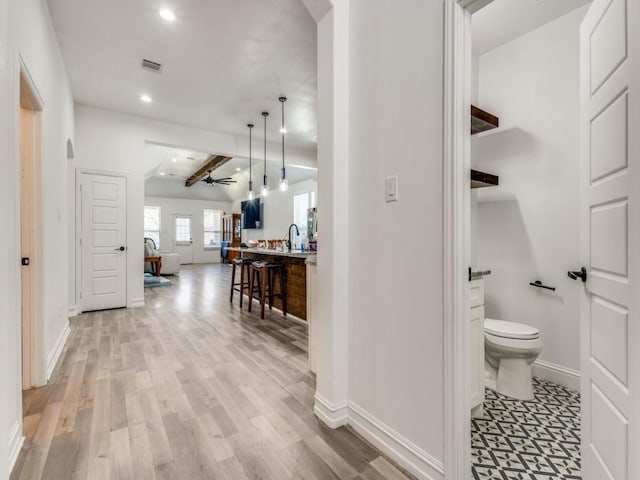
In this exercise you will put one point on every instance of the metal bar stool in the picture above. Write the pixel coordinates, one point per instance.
(265, 271)
(245, 265)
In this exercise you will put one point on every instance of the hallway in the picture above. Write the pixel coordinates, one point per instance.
(188, 387)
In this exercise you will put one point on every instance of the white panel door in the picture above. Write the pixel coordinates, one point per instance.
(183, 238)
(103, 242)
(610, 204)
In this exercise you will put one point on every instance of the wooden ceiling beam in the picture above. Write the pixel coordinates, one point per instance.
(213, 162)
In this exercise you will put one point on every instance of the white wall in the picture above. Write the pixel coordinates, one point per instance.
(25, 30)
(9, 366)
(528, 226)
(276, 211)
(387, 110)
(114, 142)
(396, 329)
(180, 206)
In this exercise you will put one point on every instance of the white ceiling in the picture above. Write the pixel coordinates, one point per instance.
(159, 160)
(224, 61)
(504, 20)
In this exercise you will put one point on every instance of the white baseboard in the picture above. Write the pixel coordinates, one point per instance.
(72, 311)
(16, 440)
(557, 374)
(406, 453)
(54, 355)
(136, 303)
(333, 416)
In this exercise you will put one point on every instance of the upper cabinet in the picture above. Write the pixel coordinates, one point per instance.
(482, 121)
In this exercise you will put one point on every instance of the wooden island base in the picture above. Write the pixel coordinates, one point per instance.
(295, 280)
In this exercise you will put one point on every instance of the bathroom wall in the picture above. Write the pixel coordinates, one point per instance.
(527, 227)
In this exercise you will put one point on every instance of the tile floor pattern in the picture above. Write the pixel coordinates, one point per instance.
(535, 440)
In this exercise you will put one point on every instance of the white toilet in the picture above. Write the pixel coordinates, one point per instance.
(510, 349)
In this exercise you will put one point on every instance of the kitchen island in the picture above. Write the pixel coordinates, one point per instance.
(295, 275)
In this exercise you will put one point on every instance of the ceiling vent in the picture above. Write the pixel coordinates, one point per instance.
(151, 65)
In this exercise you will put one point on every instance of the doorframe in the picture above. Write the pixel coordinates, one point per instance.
(78, 230)
(33, 367)
(457, 251)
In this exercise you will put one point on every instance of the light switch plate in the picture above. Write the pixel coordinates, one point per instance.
(391, 189)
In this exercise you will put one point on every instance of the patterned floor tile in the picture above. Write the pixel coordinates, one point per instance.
(535, 440)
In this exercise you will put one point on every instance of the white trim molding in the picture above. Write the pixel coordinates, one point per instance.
(408, 455)
(72, 311)
(457, 251)
(54, 355)
(16, 440)
(564, 376)
(136, 303)
(333, 415)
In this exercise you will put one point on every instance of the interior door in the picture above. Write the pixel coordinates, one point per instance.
(103, 242)
(26, 238)
(183, 238)
(610, 205)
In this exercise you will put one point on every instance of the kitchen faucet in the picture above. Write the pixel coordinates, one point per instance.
(297, 234)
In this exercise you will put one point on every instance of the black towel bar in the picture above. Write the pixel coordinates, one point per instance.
(539, 284)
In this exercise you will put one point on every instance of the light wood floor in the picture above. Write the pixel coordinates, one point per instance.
(189, 387)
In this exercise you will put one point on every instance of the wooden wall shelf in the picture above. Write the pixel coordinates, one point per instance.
(481, 179)
(482, 121)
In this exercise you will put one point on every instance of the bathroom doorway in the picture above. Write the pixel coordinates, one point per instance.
(529, 231)
(524, 224)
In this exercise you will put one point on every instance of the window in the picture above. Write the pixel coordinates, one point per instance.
(211, 220)
(301, 203)
(152, 224)
(183, 230)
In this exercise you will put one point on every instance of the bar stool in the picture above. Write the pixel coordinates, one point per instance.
(265, 272)
(245, 265)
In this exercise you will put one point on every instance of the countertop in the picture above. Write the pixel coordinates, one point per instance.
(264, 251)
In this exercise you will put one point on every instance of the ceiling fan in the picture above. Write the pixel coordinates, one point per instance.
(209, 180)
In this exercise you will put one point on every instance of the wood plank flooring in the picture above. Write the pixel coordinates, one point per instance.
(189, 387)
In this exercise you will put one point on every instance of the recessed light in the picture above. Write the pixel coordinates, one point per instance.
(174, 160)
(145, 98)
(167, 15)
(283, 130)
(162, 173)
(237, 169)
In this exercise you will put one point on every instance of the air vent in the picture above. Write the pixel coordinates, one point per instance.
(151, 65)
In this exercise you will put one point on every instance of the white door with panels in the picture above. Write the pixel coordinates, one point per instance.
(103, 242)
(183, 238)
(610, 204)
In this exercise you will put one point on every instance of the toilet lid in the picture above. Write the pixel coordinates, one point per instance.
(506, 329)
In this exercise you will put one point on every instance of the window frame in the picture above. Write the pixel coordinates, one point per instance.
(311, 203)
(220, 213)
(159, 231)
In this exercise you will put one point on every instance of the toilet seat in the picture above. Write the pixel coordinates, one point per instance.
(504, 329)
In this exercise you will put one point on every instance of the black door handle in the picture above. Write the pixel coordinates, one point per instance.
(582, 275)
(122, 249)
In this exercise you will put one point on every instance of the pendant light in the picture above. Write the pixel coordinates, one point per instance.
(250, 193)
(284, 183)
(265, 187)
